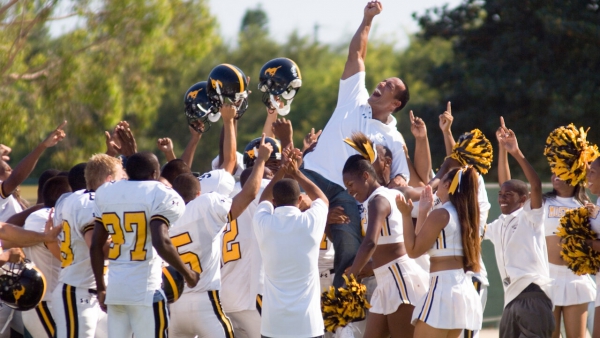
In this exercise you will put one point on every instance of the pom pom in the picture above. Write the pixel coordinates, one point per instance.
(344, 305)
(574, 229)
(473, 148)
(568, 153)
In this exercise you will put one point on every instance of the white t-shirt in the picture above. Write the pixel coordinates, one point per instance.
(8, 206)
(520, 248)
(39, 254)
(239, 166)
(76, 214)
(242, 273)
(289, 244)
(352, 114)
(126, 209)
(197, 237)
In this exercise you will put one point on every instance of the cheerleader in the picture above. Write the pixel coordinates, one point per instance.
(400, 281)
(570, 293)
(450, 236)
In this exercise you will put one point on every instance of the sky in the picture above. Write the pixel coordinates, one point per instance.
(337, 19)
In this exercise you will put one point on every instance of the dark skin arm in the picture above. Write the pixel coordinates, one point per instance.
(503, 168)
(25, 167)
(379, 209)
(18, 219)
(190, 149)
(241, 201)
(228, 112)
(162, 243)
(99, 237)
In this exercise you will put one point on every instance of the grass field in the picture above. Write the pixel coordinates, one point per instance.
(29, 192)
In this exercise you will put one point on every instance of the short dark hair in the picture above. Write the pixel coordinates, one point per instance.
(53, 189)
(44, 177)
(175, 168)
(286, 192)
(77, 176)
(518, 186)
(141, 166)
(403, 97)
(245, 175)
(187, 186)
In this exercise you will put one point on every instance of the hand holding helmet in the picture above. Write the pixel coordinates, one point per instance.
(279, 80)
(227, 84)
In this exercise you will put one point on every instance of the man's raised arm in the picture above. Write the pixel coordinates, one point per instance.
(357, 52)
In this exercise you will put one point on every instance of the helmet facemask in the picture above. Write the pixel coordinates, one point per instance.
(273, 95)
(240, 102)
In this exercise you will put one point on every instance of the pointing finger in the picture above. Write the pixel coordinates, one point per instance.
(502, 122)
(262, 141)
(449, 108)
(412, 116)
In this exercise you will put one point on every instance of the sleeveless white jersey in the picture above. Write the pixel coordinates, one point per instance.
(391, 230)
(126, 208)
(197, 237)
(554, 209)
(242, 273)
(39, 254)
(326, 254)
(8, 206)
(76, 214)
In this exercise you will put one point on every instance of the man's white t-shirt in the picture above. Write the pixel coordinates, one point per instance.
(289, 241)
(353, 114)
(8, 206)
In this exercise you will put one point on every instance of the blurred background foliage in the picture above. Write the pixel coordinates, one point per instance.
(533, 62)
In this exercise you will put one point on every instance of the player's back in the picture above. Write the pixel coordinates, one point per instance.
(197, 237)
(126, 209)
(76, 214)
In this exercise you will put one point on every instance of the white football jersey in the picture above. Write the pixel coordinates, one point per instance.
(76, 214)
(126, 208)
(242, 273)
(39, 254)
(326, 254)
(197, 237)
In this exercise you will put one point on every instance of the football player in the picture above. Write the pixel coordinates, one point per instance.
(76, 310)
(197, 236)
(39, 322)
(136, 214)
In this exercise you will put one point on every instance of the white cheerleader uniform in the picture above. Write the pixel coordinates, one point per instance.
(566, 288)
(595, 225)
(451, 302)
(400, 281)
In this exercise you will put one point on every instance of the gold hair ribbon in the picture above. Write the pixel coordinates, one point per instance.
(369, 153)
(455, 185)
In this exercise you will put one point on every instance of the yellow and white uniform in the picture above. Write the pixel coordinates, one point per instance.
(566, 288)
(76, 310)
(39, 321)
(242, 273)
(451, 302)
(197, 237)
(595, 225)
(134, 297)
(401, 281)
(326, 255)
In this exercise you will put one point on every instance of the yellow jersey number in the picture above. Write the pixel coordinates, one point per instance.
(113, 225)
(188, 257)
(231, 249)
(66, 252)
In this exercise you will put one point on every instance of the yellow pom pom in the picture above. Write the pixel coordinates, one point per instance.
(574, 229)
(344, 305)
(473, 148)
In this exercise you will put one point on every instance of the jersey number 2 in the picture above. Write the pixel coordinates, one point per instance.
(233, 254)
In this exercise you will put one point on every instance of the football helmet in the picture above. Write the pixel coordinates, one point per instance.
(251, 151)
(197, 108)
(172, 283)
(227, 82)
(279, 80)
(22, 286)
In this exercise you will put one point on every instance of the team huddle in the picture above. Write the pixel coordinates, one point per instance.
(346, 236)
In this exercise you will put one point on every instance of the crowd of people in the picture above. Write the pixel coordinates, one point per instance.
(120, 246)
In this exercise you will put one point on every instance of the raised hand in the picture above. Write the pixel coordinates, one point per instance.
(198, 124)
(311, 139)
(271, 109)
(125, 136)
(426, 200)
(506, 138)
(417, 126)
(55, 136)
(264, 149)
(15, 255)
(228, 111)
(165, 144)
(282, 129)
(51, 232)
(373, 8)
(446, 119)
(404, 205)
(4, 151)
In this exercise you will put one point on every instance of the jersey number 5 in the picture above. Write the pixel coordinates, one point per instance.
(113, 225)
(187, 257)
